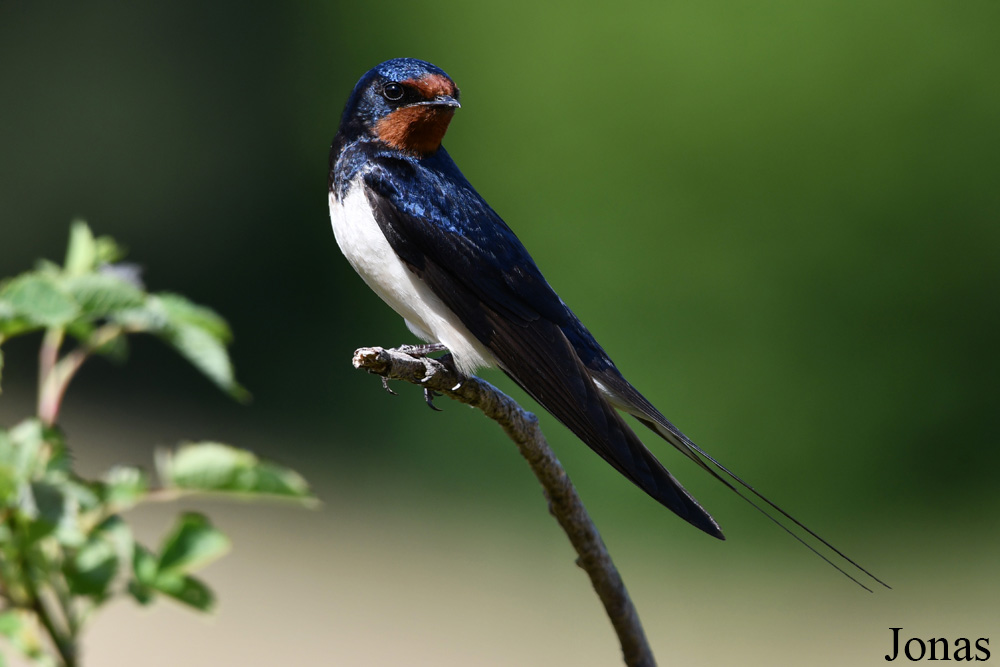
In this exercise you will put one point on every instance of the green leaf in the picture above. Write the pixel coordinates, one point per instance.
(144, 565)
(24, 452)
(34, 477)
(212, 466)
(182, 312)
(47, 268)
(9, 485)
(86, 496)
(115, 348)
(49, 500)
(101, 294)
(144, 572)
(142, 594)
(52, 509)
(124, 487)
(208, 354)
(196, 332)
(149, 318)
(35, 451)
(118, 533)
(194, 542)
(108, 250)
(186, 589)
(43, 507)
(59, 461)
(37, 299)
(81, 329)
(40, 450)
(13, 324)
(92, 570)
(81, 253)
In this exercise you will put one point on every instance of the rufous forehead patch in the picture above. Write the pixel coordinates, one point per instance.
(432, 85)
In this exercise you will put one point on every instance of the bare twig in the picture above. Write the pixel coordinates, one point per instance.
(54, 374)
(47, 357)
(564, 503)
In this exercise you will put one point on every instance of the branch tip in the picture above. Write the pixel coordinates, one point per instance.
(522, 427)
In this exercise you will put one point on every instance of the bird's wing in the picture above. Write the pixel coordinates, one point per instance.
(626, 397)
(449, 237)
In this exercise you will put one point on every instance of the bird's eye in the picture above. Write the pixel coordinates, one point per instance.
(392, 92)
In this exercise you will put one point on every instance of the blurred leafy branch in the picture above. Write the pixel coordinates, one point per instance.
(64, 549)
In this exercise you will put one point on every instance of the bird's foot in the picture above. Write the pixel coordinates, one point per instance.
(449, 362)
(422, 352)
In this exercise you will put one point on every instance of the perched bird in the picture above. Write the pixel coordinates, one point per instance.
(430, 246)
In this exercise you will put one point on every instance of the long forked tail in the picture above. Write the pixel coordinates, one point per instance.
(592, 419)
(674, 436)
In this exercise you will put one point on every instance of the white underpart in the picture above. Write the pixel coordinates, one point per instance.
(366, 248)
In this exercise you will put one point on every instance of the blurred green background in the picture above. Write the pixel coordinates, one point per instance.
(781, 220)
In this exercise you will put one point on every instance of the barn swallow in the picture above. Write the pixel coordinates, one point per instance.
(430, 246)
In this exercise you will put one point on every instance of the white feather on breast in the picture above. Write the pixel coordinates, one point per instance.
(366, 248)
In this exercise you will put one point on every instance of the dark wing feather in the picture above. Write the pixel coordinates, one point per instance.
(464, 252)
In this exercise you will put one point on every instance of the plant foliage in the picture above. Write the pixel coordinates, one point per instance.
(64, 548)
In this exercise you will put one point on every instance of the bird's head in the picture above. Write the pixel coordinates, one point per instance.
(405, 103)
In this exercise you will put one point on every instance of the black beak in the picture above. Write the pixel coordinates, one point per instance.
(440, 101)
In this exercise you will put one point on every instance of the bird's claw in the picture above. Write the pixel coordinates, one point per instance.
(448, 361)
(429, 395)
(423, 351)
